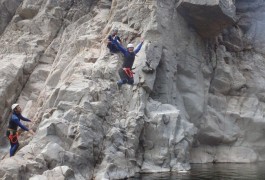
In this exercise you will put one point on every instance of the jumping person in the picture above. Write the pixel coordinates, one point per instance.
(112, 47)
(12, 132)
(125, 72)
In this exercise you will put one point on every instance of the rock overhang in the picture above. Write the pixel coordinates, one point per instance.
(208, 17)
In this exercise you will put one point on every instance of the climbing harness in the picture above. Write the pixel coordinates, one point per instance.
(13, 136)
(128, 72)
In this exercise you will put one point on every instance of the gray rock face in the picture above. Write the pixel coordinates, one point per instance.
(232, 129)
(166, 139)
(203, 103)
(7, 11)
(208, 17)
(60, 172)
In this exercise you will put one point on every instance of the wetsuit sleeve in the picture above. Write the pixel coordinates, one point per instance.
(110, 38)
(139, 46)
(119, 39)
(24, 119)
(122, 49)
(16, 120)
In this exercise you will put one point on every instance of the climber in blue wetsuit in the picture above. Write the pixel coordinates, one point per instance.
(14, 123)
(112, 47)
(125, 72)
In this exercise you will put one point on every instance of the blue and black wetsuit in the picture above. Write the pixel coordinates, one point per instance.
(11, 132)
(129, 57)
(112, 47)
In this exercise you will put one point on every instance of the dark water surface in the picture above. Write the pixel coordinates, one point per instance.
(213, 172)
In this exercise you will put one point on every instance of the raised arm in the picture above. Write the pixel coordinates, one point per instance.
(16, 120)
(122, 49)
(138, 48)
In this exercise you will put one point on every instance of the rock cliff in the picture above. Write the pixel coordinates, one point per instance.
(203, 103)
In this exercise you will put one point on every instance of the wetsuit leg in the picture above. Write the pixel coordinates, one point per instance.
(13, 143)
(123, 76)
(130, 81)
(13, 148)
(113, 48)
(121, 82)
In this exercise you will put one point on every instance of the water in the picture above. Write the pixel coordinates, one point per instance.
(222, 171)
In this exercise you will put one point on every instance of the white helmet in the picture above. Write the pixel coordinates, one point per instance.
(115, 30)
(14, 106)
(130, 46)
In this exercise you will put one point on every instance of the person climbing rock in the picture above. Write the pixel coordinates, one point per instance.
(125, 72)
(12, 132)
(112, 47)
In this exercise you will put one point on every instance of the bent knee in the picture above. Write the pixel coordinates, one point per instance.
(131, 81)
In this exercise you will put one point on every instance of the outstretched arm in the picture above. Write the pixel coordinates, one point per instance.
(122, 49)
(24, 119)
(139, 46)
(16, 120)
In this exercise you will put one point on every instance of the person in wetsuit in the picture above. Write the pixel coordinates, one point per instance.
(125, 72)
(112, 47)
(14, 123)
